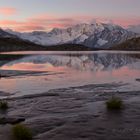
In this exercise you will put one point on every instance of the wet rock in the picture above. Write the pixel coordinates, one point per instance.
(3, 93)
(8, 120)
(138, 80)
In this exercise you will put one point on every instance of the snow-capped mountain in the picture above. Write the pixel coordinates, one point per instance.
(96, 35)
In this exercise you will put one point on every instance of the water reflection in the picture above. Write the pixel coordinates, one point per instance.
(78, 69)
(80, 62)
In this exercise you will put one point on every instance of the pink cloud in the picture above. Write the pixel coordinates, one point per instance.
(41, 22)
(5, 23)
(7, 11)
(30, 28)
(125, 22)
(47, 22)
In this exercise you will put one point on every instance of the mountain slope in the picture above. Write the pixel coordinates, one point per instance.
(130, 45)
(15, 44)
(111, 35)
(94, 35)
(4, 34)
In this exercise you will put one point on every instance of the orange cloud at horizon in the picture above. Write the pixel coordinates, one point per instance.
(7, 11)
(47, 22)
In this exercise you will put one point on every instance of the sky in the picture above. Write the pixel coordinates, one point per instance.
(43, 15)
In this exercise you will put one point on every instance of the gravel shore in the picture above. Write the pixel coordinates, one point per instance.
(77, 113)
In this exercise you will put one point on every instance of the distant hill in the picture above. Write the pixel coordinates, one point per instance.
(15, 44)
(70, 47)
(129, 45)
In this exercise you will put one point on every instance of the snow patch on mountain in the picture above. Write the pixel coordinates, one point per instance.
(101, 42)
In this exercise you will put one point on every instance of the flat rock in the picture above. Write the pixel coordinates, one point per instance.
(2, 93)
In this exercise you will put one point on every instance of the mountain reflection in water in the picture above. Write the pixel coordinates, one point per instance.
(76, 69)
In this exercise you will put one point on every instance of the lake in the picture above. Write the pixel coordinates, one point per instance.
(52, 70)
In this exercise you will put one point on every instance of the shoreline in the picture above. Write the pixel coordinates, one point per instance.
(76, 89)
(77, 113)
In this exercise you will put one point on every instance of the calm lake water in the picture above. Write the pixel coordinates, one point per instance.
(66, 69)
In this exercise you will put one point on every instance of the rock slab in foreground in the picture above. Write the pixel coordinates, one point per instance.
(6, 120)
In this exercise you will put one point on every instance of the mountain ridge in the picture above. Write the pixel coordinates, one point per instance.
(94, 35)
(81, 37)
(129, 45)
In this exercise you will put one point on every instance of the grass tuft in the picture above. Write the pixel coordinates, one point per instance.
(114, 103)
(21, 132)
(3, 105)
